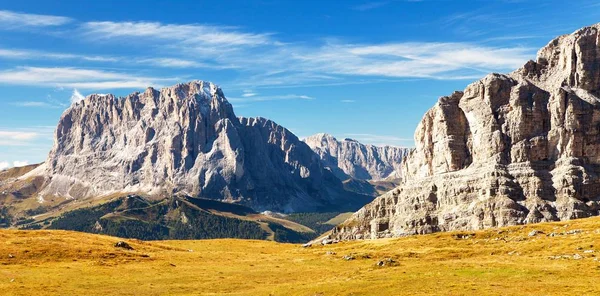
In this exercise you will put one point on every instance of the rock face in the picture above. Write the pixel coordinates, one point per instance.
(510, 149)
(186, 140)
(350, 159)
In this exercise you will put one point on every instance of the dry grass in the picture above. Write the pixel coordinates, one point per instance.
(492, 262)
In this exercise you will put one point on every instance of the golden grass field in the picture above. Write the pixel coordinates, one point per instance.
(493, 262)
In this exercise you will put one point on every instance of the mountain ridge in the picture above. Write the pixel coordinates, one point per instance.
(183, 140)
(510, 149)
(349, 158)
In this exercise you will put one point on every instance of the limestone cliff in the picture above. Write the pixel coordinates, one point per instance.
(511, 149)
(185, 140)
(349, 158)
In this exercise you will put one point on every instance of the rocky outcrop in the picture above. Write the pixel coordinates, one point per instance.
(186, 140)
(510, 149)
(350, 159)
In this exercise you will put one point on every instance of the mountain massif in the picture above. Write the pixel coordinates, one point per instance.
(171, 149)
(351, 159)
(184, 140)
(509, 149)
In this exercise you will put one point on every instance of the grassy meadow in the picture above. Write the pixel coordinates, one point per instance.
(560, 260)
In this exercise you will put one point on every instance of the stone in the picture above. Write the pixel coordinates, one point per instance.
(386, 262)
(577, 257)
(510, 149)
(327, 242)
(349, 257)
(307, 245)
(123, 245)
(349, 158)
(185, 140)
(11, 256)
(534, 232)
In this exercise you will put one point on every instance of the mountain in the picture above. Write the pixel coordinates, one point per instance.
(510, 149)
(351, 159)
(183, 141)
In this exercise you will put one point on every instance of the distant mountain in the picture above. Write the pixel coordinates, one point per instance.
(180, 141)
(511, 149)
(349, 158)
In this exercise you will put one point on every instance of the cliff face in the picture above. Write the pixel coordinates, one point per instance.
(187, 140)
(350, 159)
(510, 149)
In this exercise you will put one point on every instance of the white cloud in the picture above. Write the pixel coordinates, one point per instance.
(34, 104)
(27, 136)
(11, 19)
(370, 5)
(190, 34)
(76, 96)
(17, 163)
(18, 135)
(261, 59)
(26, 54)
(402, 60)
(20, 163)
(249, 94)
(347, 101)
(76, 78)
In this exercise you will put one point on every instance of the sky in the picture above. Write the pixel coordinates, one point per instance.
(366, 70)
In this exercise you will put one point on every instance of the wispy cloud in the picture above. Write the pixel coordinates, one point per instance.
(77, 78)
(190, 34)
(49, 102)
(269, 98)
(14, 135)
(25, 136)
(290, 63)
(76, 96)
(17, 163)
(347, 101)
(370, 5)
(36, 104)
(25, 54)
(251, 53)
(11, 20)
(17, 137)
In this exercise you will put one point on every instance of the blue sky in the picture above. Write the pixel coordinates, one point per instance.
(367, 70)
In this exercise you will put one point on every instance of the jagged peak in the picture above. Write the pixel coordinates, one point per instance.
(204, 88)
(321, 137)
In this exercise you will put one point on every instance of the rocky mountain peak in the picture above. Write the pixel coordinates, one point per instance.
(351, 159)
(185, 140)
(510, 149)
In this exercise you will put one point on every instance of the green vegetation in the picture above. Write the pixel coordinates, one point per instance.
(283, 234)
(203, 226)
(316, 221)
(84, 219)
(178, 218)
(36, 211)
(5, 217)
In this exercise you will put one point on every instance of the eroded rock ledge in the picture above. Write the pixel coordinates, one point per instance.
(511, 149)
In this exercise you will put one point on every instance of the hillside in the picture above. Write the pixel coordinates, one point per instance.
(507, 261)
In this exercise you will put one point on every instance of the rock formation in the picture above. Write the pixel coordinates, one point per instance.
(350, 159)
(510, 149)
(185, 140)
